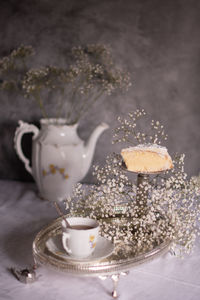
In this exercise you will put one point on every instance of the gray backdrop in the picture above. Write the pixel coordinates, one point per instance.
(156, 41)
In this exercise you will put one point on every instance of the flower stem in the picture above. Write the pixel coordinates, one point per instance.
(60, 105)
(73, 98)
(41, 106)
(87, 105)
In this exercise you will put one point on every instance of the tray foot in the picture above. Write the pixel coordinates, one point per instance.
(115, 280)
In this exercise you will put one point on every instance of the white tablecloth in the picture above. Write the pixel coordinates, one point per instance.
(23, 214)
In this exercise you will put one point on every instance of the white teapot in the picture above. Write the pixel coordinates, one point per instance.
(60, 158)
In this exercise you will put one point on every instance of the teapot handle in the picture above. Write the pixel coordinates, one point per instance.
(20, 131)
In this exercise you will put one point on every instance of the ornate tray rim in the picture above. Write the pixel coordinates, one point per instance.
(105, 267)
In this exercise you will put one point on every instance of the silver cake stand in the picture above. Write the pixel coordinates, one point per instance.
(142, 194)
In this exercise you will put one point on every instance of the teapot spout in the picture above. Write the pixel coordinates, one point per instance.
(91, 144)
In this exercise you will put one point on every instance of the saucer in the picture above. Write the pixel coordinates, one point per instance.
(103, 249)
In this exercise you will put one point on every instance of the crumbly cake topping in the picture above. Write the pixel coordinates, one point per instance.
(149, 147)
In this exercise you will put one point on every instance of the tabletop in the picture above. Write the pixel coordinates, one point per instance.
(23, 214)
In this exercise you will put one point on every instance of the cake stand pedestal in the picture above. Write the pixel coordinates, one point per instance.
(142, 191)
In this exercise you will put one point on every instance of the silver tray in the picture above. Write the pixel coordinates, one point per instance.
(121, 260)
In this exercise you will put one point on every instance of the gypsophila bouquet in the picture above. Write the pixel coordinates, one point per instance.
(129, 130)
(170, 210)
(171, 213)
(73, 88)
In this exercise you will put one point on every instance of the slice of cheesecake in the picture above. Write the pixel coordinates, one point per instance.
(147, 158)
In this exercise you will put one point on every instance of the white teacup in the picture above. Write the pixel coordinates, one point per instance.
(80, 239)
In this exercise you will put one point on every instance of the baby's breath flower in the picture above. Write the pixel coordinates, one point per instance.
(166, 208)
(128, 132)
(78, 86)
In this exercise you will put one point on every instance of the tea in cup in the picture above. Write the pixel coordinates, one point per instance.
(79, 240)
